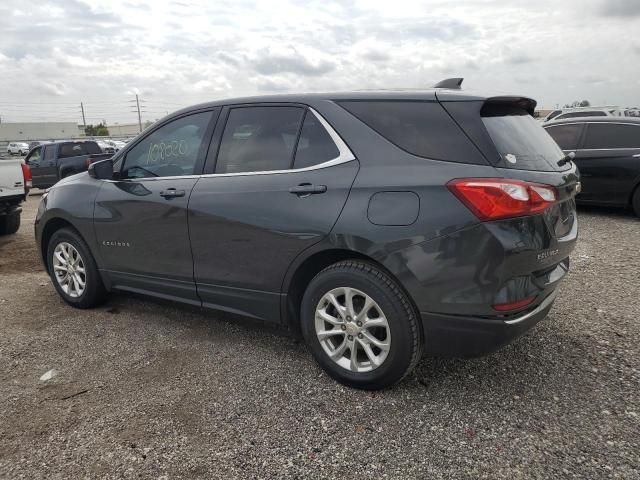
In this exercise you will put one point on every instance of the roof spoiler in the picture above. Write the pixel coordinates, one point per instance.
(451, 83)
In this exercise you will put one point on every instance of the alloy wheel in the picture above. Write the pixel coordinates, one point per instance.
(69, 269)
(352, 329)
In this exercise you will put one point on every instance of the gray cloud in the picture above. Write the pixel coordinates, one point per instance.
(269, 63)
(376, 56)
(620, 8)
(519, 59)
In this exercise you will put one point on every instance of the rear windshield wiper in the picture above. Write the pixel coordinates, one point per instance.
(566, 159)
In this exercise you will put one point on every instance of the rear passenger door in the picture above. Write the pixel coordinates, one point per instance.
(276, 186)
(609, 162)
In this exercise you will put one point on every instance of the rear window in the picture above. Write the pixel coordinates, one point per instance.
(520, 140)
(421, 128)
(612, 135)
(77, 149)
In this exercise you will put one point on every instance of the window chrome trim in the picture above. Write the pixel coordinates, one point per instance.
(345, 155)
(546, 126)
(602, 149)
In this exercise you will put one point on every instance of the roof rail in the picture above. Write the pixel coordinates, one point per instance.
(451, 83)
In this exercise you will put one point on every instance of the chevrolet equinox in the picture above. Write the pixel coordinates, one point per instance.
(380, 225)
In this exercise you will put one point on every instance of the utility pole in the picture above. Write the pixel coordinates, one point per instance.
(138, 109)
(84, 120)
(139, 117)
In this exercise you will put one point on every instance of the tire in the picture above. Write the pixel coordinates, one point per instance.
(400, 338)
(94, 292)
(635, 201)
(9, 224)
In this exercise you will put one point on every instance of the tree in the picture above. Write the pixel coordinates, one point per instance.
(583, 103)
(99, 130)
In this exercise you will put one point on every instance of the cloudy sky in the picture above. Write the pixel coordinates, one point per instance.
(176, 53)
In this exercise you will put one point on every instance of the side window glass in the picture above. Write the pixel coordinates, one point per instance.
(259, 139)
(315, 145)
(171, 150)
(612, 135)
(34, 156)
(566, 136)
(49, 153)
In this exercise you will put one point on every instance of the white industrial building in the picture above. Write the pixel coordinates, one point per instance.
(10, 132)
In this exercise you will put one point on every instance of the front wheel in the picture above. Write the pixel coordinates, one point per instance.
(360, 326)
(73, 270)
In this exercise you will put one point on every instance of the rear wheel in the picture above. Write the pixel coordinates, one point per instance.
(9, 224)
(360, 326)
(73, 270)
(635, 201)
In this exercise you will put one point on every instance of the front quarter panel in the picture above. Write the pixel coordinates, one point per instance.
(71, 200)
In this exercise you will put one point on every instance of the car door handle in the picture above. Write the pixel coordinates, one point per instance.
(172, 193)
(305, 189)
(637, 155)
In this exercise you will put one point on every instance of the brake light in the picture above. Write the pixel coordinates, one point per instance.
(495, 198)
(505, 307)
(26, 176)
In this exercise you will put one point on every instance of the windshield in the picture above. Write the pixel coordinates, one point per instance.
(521, 142)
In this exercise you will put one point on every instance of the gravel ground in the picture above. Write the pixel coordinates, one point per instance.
(153, 390)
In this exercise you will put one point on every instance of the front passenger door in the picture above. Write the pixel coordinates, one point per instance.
(141, 218)
(33, 160)
(43, 169)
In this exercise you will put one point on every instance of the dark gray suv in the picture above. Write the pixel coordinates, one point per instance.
(377, 224)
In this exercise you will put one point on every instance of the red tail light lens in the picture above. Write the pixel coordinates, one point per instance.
(495, 198)
(505, 307)
(26, 176)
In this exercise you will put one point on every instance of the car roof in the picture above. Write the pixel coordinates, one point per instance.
(429, 94)
(604, 119)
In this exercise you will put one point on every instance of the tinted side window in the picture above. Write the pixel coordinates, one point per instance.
(421, 128)
(315, 145)
(259, 139)
(605, 135)
(49, 152)
(171, 150)
(566, 136)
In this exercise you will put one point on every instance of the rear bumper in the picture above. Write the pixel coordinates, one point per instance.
(465, 336)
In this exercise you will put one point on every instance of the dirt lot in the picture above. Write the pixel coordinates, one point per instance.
(147, 389)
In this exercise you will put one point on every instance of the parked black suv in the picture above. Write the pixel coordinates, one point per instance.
(607, 153)
(379, 224)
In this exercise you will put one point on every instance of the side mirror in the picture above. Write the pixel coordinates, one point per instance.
(102, 170)
(571, 155)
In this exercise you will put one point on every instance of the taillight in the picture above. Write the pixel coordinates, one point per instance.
(505, 307)
(495, 198)
(26, 176)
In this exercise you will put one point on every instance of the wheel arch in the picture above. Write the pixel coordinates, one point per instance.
(51, 227)
(306, 269)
